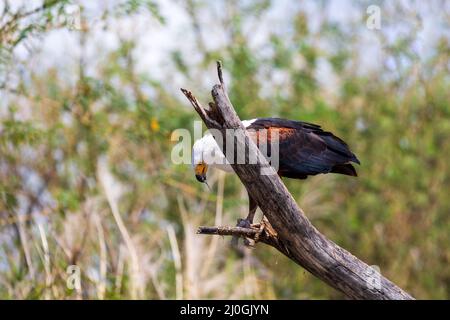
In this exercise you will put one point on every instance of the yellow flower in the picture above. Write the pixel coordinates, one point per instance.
(154, 124)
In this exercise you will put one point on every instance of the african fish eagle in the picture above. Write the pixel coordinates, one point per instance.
(304, 150)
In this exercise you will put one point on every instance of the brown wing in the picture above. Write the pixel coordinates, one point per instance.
(305, 149)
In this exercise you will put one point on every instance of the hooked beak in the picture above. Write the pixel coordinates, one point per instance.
(200, 178)
(200, 172)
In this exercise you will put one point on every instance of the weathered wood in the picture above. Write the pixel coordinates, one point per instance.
(294, 235)
(260, 232)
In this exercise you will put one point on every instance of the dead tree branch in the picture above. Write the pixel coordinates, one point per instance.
(289, 230)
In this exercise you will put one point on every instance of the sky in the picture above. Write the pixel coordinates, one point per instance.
(60, 48)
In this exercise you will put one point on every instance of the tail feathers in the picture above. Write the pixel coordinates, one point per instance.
(355, 159)
(346, 169)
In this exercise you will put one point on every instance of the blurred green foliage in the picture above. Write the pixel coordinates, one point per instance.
(57, 138)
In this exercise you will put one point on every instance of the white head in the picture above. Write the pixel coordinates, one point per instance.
(206, 152)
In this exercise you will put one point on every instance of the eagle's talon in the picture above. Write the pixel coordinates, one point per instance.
(244, 223)
(241, 223)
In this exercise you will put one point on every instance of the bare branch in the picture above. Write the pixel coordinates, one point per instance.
(219, 73)
(200, 110)
(228, 231)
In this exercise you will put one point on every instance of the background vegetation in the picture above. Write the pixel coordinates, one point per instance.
(89, 98)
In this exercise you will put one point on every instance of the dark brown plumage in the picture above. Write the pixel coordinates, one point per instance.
(305, 149)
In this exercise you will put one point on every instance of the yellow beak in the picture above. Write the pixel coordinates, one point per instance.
(200, 172)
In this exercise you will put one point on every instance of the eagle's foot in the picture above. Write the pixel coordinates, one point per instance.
(242, 223)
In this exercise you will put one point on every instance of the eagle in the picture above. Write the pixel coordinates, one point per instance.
(305, 149)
